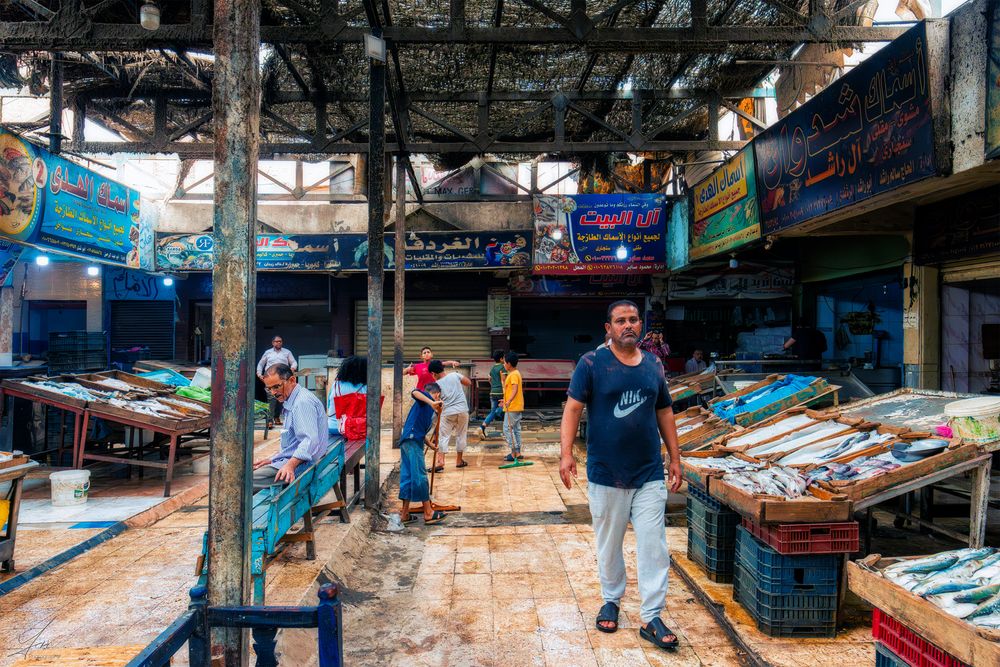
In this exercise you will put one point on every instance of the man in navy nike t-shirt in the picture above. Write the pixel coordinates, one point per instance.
(628, 416)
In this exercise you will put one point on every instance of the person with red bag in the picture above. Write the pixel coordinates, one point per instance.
(347, 403)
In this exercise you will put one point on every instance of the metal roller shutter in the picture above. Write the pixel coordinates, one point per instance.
(453, 329)
(143, 323)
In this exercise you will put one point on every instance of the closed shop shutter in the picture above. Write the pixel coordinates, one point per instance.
(143, 324)
(453, 329)
(982, 268)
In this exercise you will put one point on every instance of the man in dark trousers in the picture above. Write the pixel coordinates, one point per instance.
(628, 407)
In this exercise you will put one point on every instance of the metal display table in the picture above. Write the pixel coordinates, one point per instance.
(15, 475)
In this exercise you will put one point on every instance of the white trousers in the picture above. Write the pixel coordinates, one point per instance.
(453, 427)
(612, 509)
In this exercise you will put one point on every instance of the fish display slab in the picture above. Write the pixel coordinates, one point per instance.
(818, 506)
(971, 645)
(25, 386)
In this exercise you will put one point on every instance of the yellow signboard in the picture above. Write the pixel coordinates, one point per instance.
(726, 186)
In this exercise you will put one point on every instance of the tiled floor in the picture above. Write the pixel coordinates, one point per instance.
(461, 594)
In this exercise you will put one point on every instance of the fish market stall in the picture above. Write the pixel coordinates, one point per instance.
(52, 392)
(774, 394)
(851, 388)
(696, 427)
(13, 469)
(144, 405)
(949, 601)
(690, 385)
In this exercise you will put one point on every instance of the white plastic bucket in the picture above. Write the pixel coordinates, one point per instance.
(69, 487)
(975, 419)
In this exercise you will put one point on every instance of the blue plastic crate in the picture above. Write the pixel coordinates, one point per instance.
(718, 563)
(701, 495)
(718, 528)
(771, 608)
(777, 574)
(789, 623)
(886, 658)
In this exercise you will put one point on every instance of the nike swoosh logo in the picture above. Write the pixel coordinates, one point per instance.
(622, 413)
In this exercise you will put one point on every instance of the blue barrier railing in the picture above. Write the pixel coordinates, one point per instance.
(194, 627)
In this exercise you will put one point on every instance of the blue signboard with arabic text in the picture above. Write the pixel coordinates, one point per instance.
(866, 133)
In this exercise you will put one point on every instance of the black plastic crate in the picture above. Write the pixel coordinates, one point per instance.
(784, 622)
(777, 574)
(886, 658)
(701, 495)
(719, 564)
(773, 608)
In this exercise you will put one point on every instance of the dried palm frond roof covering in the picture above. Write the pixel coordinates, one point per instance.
(119, 86)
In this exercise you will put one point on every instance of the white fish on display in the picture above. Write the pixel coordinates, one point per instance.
(810, 434)
(775, 481)
(964, 583)
(731, 464)
(781, 427)
(841, 446)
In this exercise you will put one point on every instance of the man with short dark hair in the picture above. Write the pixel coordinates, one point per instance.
(420, 370)
(276, 354)
(304, 439)
(628, 408)
(696, 363)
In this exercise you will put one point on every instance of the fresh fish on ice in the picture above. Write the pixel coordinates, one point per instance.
(806, 436)
(775, 481)
(772, 431)
(730, 464)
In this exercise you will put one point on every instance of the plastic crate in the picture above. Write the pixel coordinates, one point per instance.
(779, 574)
(807, 538)
(886, 658)
(701, 495)
(914, 650)
(717, 563)
(718, 528)
(797, 618)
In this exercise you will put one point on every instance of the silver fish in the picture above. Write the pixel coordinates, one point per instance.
(945, 585)
(991, 606)
(931, 564)
(978, 594)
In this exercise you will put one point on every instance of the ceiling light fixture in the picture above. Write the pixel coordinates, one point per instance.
(149, 15)
(167, 282)
(93, 271)
(42, 260)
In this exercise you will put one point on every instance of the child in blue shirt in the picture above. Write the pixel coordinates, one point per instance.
(413, 486)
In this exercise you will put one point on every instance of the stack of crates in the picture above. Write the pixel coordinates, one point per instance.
(898, 646)
(787, 595)
(711, 535)
(77, 352)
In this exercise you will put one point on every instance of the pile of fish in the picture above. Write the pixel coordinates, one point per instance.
(151, 406)
(835, 448)
(965, 583)
(775, 481)
(69, 389)
(865, 467)
(815, 433)
(727, 463)
(118, 385)
(774, 430)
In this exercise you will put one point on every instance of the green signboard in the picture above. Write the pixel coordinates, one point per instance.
(725, 208)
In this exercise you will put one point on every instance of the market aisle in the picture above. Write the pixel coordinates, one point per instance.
(511, 580)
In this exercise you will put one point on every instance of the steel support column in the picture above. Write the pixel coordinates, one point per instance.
(55, 102)
(236, 108)
(376, 273)
(399, 292)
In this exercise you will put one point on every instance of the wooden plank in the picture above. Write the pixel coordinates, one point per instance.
(95, 656)
(771, 509)
(969, 644)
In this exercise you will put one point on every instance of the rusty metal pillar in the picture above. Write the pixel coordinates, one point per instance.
(236, 109)
(55, 102)
(399, 292)
(376, 275)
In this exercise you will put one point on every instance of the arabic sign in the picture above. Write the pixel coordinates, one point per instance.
(48, 201)
(600, 234)
(964, 226)
(993, 85)
(865, 134)
(9, 252)
(621, 285)
(349, 252)
(725, 208)
(498, 313)
(746, 283)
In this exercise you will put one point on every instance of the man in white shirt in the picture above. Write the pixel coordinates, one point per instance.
(454, 413)
(696, 363)
(276, 354)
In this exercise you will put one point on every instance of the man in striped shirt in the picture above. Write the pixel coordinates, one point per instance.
(276, 354)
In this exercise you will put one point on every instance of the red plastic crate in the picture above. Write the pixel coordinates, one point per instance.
(908, 645)
(807, 538)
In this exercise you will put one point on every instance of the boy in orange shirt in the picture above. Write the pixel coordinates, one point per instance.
(513, 406)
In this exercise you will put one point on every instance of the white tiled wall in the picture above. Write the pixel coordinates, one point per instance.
(59, 281)
(963, 314)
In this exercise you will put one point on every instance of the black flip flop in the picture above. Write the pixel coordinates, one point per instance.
(411, 518)
(462, 464)
(608, 613)
(438, 469)
(437, 517)
(655, 631)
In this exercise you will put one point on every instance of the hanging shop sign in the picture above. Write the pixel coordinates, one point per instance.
(50, 202)
(610, 285)
(958, 228)
(725, 208)
(746, 283)
(349, 252)
(678, 244)
(498, 313)
(867, 133)
(578, 234)
(9, 253)
(993, 85)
